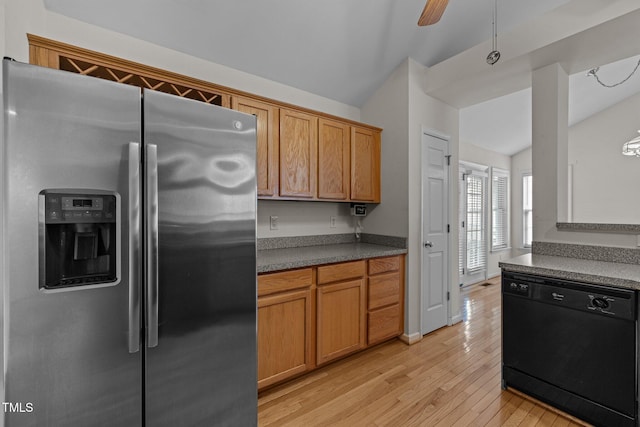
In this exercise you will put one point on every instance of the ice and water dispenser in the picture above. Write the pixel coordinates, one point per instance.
(79, 231)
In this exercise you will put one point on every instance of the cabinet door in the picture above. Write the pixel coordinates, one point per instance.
(333, 160)
(341, 319)
(284, 336)
(298, 154)
(267, 142)
(365, 165)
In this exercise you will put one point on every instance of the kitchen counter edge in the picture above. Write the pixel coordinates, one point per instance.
(600, 272)
(270, 260)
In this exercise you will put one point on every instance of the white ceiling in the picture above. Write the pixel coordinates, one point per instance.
(341, 49)
(503, 124)
(345, 49)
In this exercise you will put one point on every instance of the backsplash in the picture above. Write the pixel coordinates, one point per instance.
(329, 239)
(301, 218)
(588, 252)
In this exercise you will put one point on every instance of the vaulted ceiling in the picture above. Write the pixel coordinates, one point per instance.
(340, 49)
(345, 49)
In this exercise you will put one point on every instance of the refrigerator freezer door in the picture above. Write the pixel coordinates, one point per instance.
(66, 353)
(203, 370)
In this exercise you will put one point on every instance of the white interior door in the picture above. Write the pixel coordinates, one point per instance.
(435, 229)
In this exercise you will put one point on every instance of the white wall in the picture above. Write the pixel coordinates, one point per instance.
(605, 183)
(474, 154)
(389, 108)
(401, 107)
(520, 163)
(304, 218)
(603, 178)
(426, 112)
(547, 164)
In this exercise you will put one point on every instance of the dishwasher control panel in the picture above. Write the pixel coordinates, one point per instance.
(518, 288)
(605, 300)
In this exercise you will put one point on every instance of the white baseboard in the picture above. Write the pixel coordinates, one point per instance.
(493, 274)
(456, 319)
(411, 339)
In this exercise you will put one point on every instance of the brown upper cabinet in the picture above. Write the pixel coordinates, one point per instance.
(365, 165)
(298, 154)
(267, 151)
(301, 154)
(333, 159)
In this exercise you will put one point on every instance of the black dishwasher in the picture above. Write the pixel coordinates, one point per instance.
(572, 345)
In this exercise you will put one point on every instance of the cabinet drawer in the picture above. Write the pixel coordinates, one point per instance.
(343, 271)
(284, 281)
(382, 265)
(384, 323)
(384, 290)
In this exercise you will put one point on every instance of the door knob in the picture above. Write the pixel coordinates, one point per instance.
(428, 244)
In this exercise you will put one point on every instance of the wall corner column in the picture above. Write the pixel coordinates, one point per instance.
(550, 113)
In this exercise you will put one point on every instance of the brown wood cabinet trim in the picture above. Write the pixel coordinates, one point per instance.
(105, 59)
(56, 49)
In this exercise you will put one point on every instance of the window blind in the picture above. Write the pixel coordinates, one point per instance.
(462, 230)
(499, 209)
(476, 244)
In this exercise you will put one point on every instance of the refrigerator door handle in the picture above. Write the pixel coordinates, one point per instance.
(134, 247)
(152, 244)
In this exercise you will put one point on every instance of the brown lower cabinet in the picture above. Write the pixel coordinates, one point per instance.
(341, 310)
(285, 325)
(311, 316)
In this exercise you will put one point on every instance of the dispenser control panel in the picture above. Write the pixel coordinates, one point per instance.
(78, 239)
(78, 208)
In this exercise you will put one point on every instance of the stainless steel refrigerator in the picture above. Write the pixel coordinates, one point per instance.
(128, 257)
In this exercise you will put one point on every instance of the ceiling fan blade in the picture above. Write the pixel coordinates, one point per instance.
(432, 12)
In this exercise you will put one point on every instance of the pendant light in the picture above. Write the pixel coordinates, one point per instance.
(494, 55)
(594, 73)
(632, 148)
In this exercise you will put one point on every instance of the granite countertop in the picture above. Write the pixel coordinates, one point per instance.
(288, 258)
(600, 272)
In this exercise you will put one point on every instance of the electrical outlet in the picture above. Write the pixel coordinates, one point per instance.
(274, 222)
(332, 222)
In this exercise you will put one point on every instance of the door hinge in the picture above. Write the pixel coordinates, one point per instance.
(448, 228)
(448, 159)
(448, 295)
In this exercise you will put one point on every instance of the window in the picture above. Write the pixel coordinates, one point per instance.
(527, 209)
(476, 253)
(499, 209)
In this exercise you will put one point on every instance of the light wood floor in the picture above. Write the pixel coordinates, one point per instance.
(450, 378)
